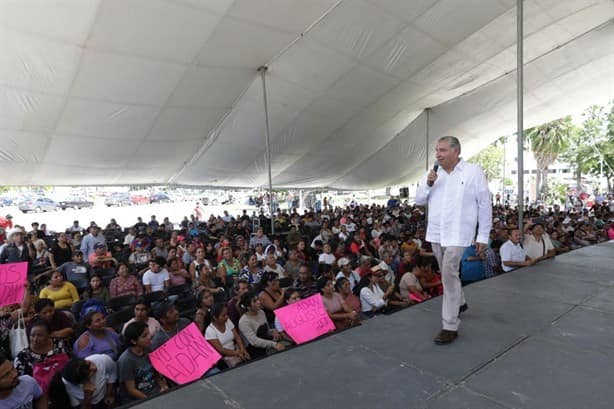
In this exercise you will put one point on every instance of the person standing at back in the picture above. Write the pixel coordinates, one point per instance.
(458, 203)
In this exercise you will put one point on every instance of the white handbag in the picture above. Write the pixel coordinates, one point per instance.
(17, 336)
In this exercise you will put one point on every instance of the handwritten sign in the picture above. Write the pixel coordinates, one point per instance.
(13, 278)
(306, 319)
(185, 357)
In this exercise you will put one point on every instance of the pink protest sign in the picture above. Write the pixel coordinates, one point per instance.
(306, 319)
(185, 357)
(13, 278)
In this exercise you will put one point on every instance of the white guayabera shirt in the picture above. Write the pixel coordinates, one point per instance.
(457, 203)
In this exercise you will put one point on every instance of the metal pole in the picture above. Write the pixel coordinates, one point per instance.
(520, 92)
(503, 177)
(428, 134)
(263, 70)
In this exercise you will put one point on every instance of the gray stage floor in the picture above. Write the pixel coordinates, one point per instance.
(539, 337)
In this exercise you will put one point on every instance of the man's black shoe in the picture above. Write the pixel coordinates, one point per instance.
(462, 309)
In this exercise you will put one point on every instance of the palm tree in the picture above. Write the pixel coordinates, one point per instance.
(547, 142)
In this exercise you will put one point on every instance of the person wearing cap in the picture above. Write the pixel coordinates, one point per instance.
(459, 203)
(346, 272)
(90, 240)
(16, 250)
(157, 277)
(101, 258)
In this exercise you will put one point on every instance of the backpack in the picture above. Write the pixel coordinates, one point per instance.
(92, 305)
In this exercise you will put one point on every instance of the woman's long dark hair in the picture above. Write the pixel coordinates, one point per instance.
(364, 282)
(75, 371)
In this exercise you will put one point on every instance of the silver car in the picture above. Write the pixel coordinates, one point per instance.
(39, 204)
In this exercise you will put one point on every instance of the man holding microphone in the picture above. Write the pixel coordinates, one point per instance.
(458, 200)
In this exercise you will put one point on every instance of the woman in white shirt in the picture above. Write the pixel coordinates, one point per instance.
(225, 338)
(371, 295)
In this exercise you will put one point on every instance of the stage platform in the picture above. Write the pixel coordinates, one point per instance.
(539, 337)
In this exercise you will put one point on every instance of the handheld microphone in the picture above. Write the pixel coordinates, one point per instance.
(435, 168)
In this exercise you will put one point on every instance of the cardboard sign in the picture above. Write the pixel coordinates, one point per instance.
(13, 278)
(185, 357)
(306, 319)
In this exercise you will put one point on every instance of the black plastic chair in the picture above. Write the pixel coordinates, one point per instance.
(156, 296)
(180, 290)
(186, 307)
(76, 309)
(121, 302)
(116, 320)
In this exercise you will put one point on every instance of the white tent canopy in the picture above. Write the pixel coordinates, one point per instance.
(166, 91)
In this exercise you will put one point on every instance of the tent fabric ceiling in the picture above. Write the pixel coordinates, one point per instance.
(167, 91)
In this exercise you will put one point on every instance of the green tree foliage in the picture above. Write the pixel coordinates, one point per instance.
(491, 160)
(547, 142)
(591, 150)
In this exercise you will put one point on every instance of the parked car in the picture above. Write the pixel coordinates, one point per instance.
(139, 199)
(159, 198)
(118, 199)
(75, 203)
(5, 201)
(39, 204)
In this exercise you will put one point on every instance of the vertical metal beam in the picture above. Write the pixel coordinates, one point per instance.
(263, 70)
(428, 136)
(520, 107)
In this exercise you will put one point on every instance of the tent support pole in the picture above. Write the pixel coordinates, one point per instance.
(520, 108)
(263, 70)
(428, 136)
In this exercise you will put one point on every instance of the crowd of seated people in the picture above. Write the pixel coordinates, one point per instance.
(99, 300)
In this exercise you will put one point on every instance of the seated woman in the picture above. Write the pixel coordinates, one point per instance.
(42, 346)
(344, 289)
(43, 263)
(9, 315)
(253, 325)
(271, 296)
(204, 302)
(142, 313)
(97, 339)
(138, 379)
(371, 295)
(197, 265)
(224, 337)
(125, 283)
(291, 296)
(430, 280)
(252, 272)
(178, 274)
(96, 290)
(62, 250)
(341, 314)
(228, 268)
(410, 286)
(207, 281)
(59, 323)
(63, 293)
